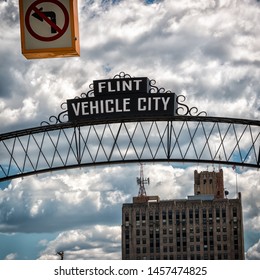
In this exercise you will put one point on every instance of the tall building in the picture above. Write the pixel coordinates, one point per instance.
(206, 225)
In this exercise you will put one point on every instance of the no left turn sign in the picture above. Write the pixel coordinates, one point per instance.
(49, 17)
(49, 28)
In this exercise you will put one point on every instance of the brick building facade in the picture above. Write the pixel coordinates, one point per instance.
(206, 225)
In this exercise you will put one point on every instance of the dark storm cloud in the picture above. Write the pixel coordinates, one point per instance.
(9, 13)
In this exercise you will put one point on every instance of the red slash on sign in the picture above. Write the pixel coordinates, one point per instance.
(49, 17)
(40, 15)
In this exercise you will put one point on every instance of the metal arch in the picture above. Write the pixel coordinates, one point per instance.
(176, 139)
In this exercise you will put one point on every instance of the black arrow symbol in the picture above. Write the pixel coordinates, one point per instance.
(50, 15)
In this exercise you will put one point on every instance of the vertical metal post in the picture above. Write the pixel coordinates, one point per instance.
(77, 143)
(169, 139)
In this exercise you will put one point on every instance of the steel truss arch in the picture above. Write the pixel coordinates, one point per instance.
(65, 145)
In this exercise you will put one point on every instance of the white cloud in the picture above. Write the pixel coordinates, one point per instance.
(11, 256)
(253, 253)
(98, 242)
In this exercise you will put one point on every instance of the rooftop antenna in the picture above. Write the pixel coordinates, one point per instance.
(141, 181)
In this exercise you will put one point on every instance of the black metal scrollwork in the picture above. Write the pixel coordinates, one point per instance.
(184, 110)
(62, 117)
(122, 75)
(155, 89)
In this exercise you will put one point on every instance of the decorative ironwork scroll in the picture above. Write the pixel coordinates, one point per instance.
(182, 109)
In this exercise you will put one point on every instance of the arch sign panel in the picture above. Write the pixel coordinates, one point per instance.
(124, 99)
(49, 28)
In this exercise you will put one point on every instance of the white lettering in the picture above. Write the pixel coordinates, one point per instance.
(101, 106)
(84, 107)
(141, 106)
(94, 106)
(125, 85)
(149, 107)
(137, 84)
(118, 85)
(117, 106)
(76, 110)
(109, 87)
(126, 102)
(101, 85)
(156, 100)
(109, 109)
(165, 102)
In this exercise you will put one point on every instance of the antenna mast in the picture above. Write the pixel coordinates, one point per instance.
(141, 181)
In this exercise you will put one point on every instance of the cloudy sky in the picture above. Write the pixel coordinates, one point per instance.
(207, 50)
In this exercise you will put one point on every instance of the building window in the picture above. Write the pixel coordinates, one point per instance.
(197, 216)
(223, 213)
(234, 212)
(217, 215)
(164, 215)
(170, 215)
(177, 216)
